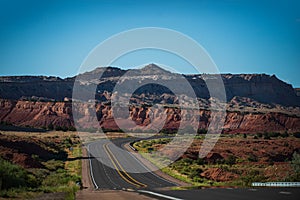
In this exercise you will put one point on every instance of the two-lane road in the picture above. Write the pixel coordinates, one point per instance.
(113, 167)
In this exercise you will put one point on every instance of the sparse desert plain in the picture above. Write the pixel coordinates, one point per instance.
(43, 133)
(35, 164)
(235, 161)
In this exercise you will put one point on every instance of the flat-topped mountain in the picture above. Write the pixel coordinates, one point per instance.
(259, 87)
(255, 102)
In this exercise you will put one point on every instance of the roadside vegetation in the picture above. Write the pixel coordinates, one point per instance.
(54, 165)
(234, 170)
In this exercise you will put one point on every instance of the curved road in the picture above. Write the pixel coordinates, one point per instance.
(113, 176)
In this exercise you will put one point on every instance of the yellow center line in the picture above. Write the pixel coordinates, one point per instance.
(114, 161)
(123, 168)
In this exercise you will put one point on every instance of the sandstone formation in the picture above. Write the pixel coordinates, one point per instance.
(255, 102)
(45, 114)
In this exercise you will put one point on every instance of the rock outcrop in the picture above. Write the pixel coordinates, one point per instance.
(255, 102)
(59, 114)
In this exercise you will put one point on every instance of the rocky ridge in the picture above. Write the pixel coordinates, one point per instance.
(255, 102)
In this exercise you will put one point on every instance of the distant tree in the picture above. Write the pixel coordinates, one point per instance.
(58, 128)
(245, 135)
(259, 135)
(50, 126)
(274, 134)
(267, 136)
(297, 134)
(201, 131)
(284, 135)
(72, 128)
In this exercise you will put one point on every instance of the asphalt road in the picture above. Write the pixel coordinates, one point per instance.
(111, 175)
(110, 164)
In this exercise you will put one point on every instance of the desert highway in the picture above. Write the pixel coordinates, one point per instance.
(113, 176)
(110, 165)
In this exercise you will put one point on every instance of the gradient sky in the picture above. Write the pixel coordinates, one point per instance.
(50, 37)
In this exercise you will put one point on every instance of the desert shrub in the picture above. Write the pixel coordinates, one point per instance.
(252, 158)
(202, 131)
(253, 176)
(185, 170)
(286, 144)
(259, 135)
(150, 149)
(68, 142)
(64, 128)
(54, 165)
(50, 126)
(11, 175)
(274, 134)
(35, 157)
(230, 160)
(297, 134)
(186, 161)
(39, 174)
(267, 136)
(295, 163)
(72, 128)
(198, 179)
(284, 135)
(58, 128)
(199, 161)
(195, 172)
(60, 177)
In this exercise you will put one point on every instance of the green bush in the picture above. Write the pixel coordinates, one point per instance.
(60, 177)
(72, 128)
(274, 134)
(252, 158)
(230, 160)
(259, 135)
(54, 165)
(195, 173)
(201, 131)
(11, 175)
(50, 126)
(186, 161)
(199, 161)
(284, 135)
(267, 136)
(253, 176)
(295, 163)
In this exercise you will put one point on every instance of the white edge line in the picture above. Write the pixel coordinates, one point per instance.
(158, 195)
(91, 168)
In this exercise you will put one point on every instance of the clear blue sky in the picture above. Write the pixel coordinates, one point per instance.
(50, 37)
